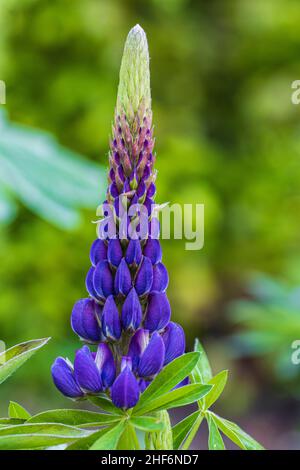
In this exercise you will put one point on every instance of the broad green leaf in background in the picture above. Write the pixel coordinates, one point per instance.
(168, 378)
(215, 441)
(236, 434)
(13, 358)
(110, 439)
(74, 418)
(178, 397)
(49, 179)
(17, 411)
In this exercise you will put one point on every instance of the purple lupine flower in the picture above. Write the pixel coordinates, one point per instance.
(127, 313)
(64, 379)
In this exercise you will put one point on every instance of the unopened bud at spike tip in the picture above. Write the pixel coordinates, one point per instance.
(134, 85)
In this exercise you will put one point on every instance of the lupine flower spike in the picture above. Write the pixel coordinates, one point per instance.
(127, 312)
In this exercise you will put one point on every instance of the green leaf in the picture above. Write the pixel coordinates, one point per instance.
(106, 404)
(146, 423)
(236, 434)
(182, 429)
(74, 418)
(128, 439)
(215, 441)
(109, 440)
(84, 443)
(178, 397)
(11, 421)
(13, 358)
(218, 382)
(202, 372)
(192, 433)
(169, 377)
(17, 411)
(34, 436)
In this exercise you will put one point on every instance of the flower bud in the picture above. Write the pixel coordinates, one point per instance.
(160, 278)
(86, 372)
(131, 311)
(133, 253)
(137, 346)
(158, 312)
(152, 358)
(103, 279)
(111, 325)
(64, 379)
(98, 251)
(153, 250)
(123, 279)
(125, 391)
(105, 363)
(174, 340)
(85, 320)
(144, 277)
(114, 252)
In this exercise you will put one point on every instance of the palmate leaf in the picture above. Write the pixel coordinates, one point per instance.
(128, 439)
(13, 358)
(218, 381)
(74, 418)
(50, 180)
(105, 404)
(202, 372)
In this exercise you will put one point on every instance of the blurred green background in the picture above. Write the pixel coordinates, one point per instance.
(227, 136)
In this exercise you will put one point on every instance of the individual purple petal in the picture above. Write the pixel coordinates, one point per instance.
(137, 346)
(153, 250)
(106, 364)
(158, 312)
(89, 284)
(111, 325)
(98, 251)
(131, 314)
(152, 358)
(133, 253)
(123, 279)
(125, 391)
(85, 320)
(103, 279)
(160, 278)
(114, 252)
(64, 380)
(144, 277)
(86, 371)
(174, 339)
